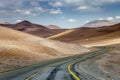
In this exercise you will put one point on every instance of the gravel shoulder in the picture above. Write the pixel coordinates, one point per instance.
(92, 70)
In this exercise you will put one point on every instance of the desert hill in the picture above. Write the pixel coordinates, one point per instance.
(109, 39)
(85, 33)
(100, 36)
(19, 49)
(110, 63)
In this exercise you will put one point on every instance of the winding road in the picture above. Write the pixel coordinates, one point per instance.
(60, 69)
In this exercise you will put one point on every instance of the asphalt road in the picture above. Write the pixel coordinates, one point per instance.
(59, 69)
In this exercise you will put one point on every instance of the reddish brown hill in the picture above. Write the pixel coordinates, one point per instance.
(85, 32)
(34, 29)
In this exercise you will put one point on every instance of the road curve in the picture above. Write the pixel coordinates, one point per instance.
(59, 69)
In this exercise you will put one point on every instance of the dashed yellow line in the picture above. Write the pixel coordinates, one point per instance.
(110, 48)
(72, 73)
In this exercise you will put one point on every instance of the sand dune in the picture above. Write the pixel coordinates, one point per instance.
(20, 49)
(61, 34)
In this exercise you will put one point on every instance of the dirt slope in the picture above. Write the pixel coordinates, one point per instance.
(85, 33)
(110, 63)
(109, 39)
(20, 49)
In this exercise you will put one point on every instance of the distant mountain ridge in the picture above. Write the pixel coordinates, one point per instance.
(53, 27)
(32, 28)
(85, 33)
(99, 23)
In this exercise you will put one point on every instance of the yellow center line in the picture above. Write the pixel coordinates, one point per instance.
(72, 73)
(32, 76)
(38, 72)
(110, 48)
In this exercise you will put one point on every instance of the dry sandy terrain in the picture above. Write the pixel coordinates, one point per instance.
(61, 34)
(85, 33)
(19, 49)
(112, 38)
(111, 61)
(103, 36)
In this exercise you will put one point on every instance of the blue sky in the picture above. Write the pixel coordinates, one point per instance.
(64, 13)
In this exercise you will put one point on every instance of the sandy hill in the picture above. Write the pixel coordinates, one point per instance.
(20, 49)
(109, 39)
(33, 28)
(85, 33)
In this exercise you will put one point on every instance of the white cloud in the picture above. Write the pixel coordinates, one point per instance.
(62, 17)
(110, 18)
(30, 12)
(35, 3)
(38, 9)
(83, 8)
(93, 2)
(101, 19)
(19, 20)
(89, 8)
(25, 12)
(88, 5)
(117, 17)
(56, 4)
(109, 1)
(57, 11)
(72, 20)
(75, 2)
(87, 21)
